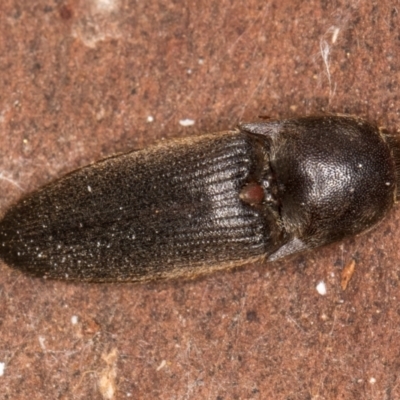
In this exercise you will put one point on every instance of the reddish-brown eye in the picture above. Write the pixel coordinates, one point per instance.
(252, 193)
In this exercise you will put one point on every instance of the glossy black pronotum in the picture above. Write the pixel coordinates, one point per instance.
(262, 191)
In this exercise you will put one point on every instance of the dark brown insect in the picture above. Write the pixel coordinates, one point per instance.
(262, 191)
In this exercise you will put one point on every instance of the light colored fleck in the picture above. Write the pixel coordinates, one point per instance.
(186, 122)
(89, 189)
(74, 319)
(372, 380)
(347, 274)
(2, 368)
(106, 5)
(150, 118)
(321, 288)
(162, 365)
(41, 342)
(106, 382)
(335, 35)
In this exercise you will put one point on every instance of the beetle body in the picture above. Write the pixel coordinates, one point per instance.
(263, 191)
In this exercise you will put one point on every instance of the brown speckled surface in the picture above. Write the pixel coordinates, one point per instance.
(79, 80)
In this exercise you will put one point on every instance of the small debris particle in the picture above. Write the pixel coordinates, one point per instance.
(2, 368)
(42, 339)
(321, 288)
(107, 384)
(324, 317)
(74, 319)
(89, 189)
(186, 122)
(106, 5)
(162, 365)
(347, 273)
(150, 118)
(335, 35)
(372, 380)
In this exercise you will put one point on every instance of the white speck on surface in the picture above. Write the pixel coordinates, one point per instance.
(106, 5)
(97, 25)
(321, 288)
(335, 35)
(186, 122)
(387, 183)
(162, 365)
(201, 61)
(74, 319)
(372, 380)
(150, 118)
(189, 71)
(2, 368)
(41, 342)
(107, 379)
(89, 189)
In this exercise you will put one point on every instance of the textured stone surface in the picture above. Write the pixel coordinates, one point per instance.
(80, 80)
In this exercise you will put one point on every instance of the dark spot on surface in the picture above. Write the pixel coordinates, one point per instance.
(65, 12)
(251, 316)
(388, 231)
(17, 14)
(338, 263)
(301, 262)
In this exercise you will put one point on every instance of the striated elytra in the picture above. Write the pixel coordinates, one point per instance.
(262, 191)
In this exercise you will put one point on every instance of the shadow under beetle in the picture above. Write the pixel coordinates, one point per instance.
(262, 191)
